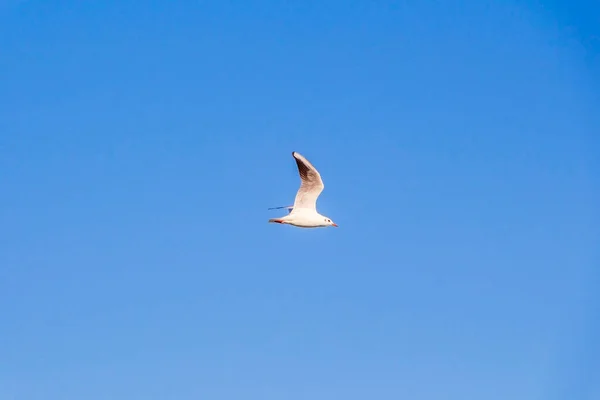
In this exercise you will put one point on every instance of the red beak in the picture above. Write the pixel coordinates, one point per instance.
(334, 224)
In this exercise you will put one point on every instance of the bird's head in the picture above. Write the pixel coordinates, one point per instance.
(328, 221)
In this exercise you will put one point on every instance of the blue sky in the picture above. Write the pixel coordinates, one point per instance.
(142, 145)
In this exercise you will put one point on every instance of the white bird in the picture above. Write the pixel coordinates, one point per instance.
(304, 213)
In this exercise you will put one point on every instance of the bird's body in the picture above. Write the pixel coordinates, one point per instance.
(303, 218)
(304, 213)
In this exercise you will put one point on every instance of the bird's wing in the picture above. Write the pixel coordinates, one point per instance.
(289, 208)
(279, 208)
(311, 186)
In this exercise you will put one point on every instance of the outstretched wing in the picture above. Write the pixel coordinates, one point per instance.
(311, 186)
(289, 208)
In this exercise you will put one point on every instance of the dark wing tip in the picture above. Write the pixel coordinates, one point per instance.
(302, 167)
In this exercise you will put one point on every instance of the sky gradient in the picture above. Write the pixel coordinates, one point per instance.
(140, 147)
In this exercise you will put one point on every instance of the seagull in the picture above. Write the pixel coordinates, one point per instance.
(303, 213)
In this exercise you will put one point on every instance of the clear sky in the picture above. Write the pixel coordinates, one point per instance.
(141, 145)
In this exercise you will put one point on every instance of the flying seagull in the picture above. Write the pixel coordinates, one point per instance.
(304, 213)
